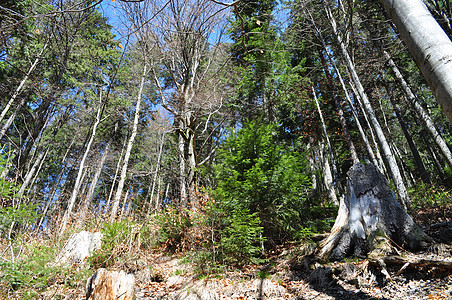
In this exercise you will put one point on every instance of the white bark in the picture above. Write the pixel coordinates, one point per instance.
(31, 172)
(78, 181)
(52, 194)
(333, 63)
(122, 180)
(93, 184)
(380, 165)
(429, 45)
(389, 157)
(19, 88)
(358, 123)
(118, 166)
(327, 176)
(182, 177)
(157, 170)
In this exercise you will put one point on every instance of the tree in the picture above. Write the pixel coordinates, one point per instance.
(428, 44)
(133, 134)
(188, 73)
(388, 155)
(253, 52)
(257, 174)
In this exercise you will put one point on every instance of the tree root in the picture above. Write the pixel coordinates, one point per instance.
(405, 262)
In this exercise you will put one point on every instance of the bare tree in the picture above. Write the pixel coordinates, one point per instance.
(186, 69)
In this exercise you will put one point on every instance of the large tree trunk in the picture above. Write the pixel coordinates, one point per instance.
(429, 45)
(369, 209)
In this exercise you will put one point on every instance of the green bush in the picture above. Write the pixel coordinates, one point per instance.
(241, 238)
(116, 242)
(172, 226)
(31, 271)
(22, 214)
(425, 195)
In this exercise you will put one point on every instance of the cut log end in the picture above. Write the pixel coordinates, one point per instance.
(106, 285)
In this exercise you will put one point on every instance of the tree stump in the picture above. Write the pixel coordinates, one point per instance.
(110, 285)
(369, 210)
(78, 247)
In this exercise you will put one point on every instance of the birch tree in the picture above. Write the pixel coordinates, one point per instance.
(122, 179)
(78, 181)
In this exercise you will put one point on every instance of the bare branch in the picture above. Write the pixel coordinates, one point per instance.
(226, 4)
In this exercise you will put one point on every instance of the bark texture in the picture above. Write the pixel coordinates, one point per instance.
(429, 45)
(369, 210)
(110, 285)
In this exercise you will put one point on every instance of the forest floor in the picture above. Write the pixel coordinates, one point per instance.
(290, 274)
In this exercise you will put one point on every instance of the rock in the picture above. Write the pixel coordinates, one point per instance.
(110, 285)
(78, 247)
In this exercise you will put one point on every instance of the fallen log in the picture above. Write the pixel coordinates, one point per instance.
(405, 262)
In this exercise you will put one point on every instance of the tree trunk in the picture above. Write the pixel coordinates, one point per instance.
(93, 185)
(182, 177)
(40, 122)
(312, 164)
(327, 177)
(19, 89)
(421, 111)
(417, 157)
(78, 181)
(32, 171)
(108, 285)
(369, 210)
(122, 179)
(381, 166)
(333, 63)
(391, 162)
(429, 45)
(118, 166)
(157, 170)
(55, 187)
